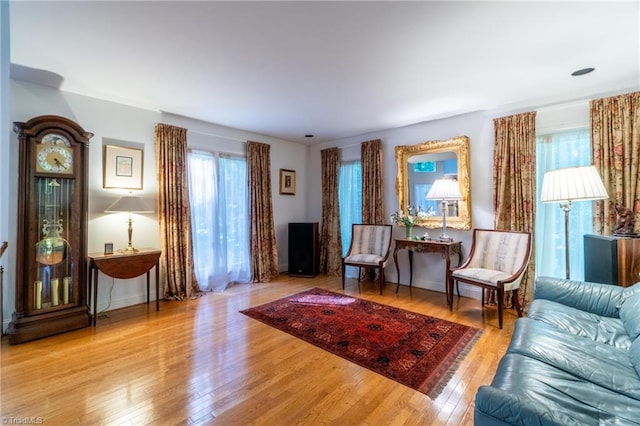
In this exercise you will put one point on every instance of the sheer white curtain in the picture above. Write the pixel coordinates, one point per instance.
(555, 151)
(220, 217)
(350, 199)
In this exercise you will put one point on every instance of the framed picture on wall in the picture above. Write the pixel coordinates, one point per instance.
(122, 167)
(287, 182)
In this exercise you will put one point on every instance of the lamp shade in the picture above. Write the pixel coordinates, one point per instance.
(444, 189)
(129, 204)
(572, 184)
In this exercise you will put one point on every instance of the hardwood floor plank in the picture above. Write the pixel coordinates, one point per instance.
(201, 361)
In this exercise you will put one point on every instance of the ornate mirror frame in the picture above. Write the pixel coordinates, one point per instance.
(458, 145)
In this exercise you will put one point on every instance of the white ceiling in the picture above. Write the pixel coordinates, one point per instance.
(332, 69)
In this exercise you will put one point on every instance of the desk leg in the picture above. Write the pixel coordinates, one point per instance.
(157, 287)
(89, 281)
(447, 274)
(395, 260)
(459, 251)
(95, 297)
(148, 279)
(410, 269)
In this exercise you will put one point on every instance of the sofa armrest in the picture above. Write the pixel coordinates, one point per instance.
(601, 299)
(495, 406)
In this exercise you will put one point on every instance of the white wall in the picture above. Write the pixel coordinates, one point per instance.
(118, 123)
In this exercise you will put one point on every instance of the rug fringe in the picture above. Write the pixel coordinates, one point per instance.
(446, 378)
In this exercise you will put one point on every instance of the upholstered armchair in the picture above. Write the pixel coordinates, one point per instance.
(369, 248)
(498, 261)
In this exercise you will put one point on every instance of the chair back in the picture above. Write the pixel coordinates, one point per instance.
(370, 239)
(505, 251)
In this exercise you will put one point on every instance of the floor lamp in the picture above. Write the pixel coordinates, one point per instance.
(445, 190)
(568, 185)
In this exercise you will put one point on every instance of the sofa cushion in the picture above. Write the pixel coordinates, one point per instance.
(562, 395)
(581, 323)
(630, 316)
(602, 299)
(595, 362)
(495, 407)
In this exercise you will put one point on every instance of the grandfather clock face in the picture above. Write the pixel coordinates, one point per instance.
(56, 157)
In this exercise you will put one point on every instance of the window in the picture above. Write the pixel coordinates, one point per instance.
(350, 199)
(220, 219)
(555, 151)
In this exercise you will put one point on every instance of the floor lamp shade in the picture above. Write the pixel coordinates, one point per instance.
(571, 184)
(444, 190)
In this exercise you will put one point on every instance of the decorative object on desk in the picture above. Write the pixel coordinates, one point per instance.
(287, 182)
(409, 220)
(625, 222)
(409, 231)
(425, 236)
(129, 204)
(571, 184)
(446, 190)
(416, 350)
(108, 248)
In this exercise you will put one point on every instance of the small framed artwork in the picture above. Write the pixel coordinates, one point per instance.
(122, 167)
(287, 182)
(108, 248)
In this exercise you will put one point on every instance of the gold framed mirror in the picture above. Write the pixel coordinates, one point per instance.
(420, 165)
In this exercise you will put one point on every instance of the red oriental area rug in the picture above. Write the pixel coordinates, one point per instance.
(416, 350)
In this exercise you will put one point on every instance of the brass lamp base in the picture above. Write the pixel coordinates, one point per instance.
(130, 248)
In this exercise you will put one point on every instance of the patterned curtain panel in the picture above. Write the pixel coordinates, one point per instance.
(330, 240)
(264, 252)
(174, 215)
(372, 198)
(514, 183)
(615, 149)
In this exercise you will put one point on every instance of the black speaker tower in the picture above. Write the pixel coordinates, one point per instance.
(304, 249)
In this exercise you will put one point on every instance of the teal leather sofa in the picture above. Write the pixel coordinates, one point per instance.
(574, 360)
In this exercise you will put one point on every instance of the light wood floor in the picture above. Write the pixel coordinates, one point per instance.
(202, 362)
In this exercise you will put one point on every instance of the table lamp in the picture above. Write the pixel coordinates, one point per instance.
(129, 204)
(445, 190)
(571, 184)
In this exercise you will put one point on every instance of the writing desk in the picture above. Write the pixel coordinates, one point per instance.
(418, 246)
(124, 265)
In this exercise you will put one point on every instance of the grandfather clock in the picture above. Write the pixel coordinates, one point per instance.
(52, 229)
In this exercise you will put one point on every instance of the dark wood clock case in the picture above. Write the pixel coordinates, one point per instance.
(51, 287)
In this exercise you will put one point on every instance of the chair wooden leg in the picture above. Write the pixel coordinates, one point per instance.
(359, 274)
(343, 274)
(516, 302)
(450, 293)
(381, 279)
(500, 306)
(483, 297)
